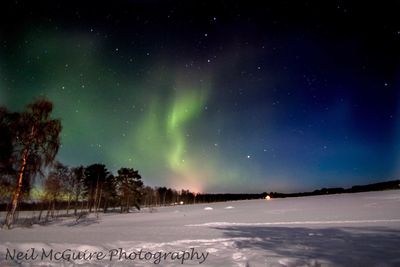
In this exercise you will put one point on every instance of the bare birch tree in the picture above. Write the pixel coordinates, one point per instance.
(35, 143)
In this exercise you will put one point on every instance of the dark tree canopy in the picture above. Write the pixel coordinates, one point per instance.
(129, 186)
(95, 177)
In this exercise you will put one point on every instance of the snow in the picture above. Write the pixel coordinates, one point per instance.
(335, 230)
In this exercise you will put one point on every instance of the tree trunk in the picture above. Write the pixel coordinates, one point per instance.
(95, 195)
(82, 206)
(105, 206)
(88, 200)
(40, 213)
(100, 196)
(127, 204)
(76, 203)
(69, 202)
(53, 207)
(14, 203)
(48, 210)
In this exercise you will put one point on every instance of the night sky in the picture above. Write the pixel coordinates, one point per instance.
(214, 96)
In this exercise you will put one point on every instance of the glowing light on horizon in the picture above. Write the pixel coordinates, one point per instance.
(187, 105)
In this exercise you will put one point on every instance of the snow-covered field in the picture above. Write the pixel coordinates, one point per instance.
(335, 230)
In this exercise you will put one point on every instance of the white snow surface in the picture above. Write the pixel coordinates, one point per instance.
(334, 230)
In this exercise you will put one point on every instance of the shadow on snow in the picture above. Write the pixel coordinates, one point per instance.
(362, 246)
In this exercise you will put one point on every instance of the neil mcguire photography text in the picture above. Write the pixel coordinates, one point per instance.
(116, 254)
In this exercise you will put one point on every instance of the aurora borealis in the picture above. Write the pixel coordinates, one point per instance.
(214, 96)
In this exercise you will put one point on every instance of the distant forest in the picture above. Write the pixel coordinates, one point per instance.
(29, 142)
(389, 185)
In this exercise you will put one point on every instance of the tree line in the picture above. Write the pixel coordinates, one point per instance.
(93, 189)
(29, 142)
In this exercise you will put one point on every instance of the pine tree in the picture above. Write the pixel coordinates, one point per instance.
(129, 187)
(109, 192)
(95, 177)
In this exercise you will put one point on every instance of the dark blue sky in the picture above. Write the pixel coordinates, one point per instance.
(215, 96)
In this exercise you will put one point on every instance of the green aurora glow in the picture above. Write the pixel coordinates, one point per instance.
(212, 97)
(153, 126)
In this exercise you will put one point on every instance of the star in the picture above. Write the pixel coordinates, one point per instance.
(116, 80)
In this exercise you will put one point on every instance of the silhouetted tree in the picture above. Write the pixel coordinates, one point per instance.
(65, 177)
(35, 143)
(162, 192)
(7, 119)
(95, 176)
(52, 187)
(169, 194)
(109, 192)
(7, 173)
(6, 188)
(187, 197)
(149, 196)
(78, 178)
(129, 185)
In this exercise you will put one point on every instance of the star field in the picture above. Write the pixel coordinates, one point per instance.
(214, 96)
